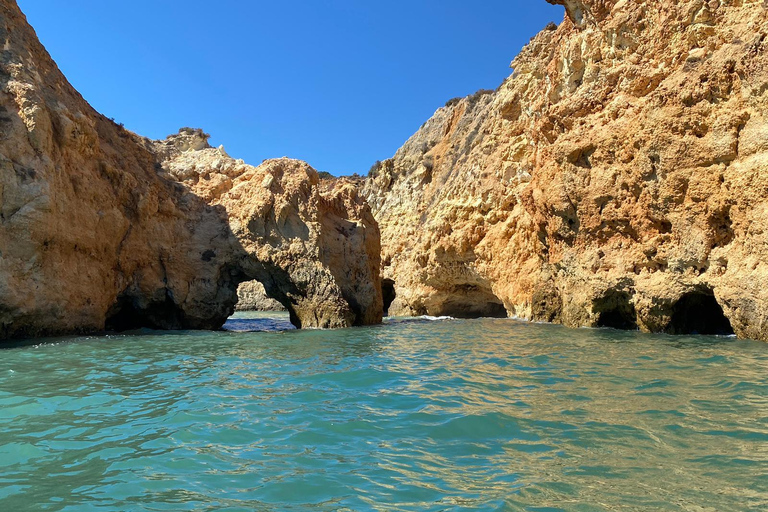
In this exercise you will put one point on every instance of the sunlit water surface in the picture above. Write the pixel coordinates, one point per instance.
(413, 415)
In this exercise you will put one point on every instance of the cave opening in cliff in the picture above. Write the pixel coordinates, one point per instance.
(698, 312)
(471, 302)
(388, 294)
(127, 314)
(474, 310)
(616, 311)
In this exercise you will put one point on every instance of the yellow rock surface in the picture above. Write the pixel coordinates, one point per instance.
(618, 177)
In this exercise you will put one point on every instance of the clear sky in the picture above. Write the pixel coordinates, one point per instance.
(338, 83)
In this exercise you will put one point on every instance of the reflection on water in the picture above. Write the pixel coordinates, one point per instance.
(425, 415)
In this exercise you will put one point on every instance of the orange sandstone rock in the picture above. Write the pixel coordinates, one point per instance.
(617, 178)
(94, 234)
(313, 244)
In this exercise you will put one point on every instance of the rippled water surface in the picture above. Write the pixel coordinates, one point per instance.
(412, 415)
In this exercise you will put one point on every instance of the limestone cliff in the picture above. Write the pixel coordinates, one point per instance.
(90, 235)
(312, 243)
(251, 296)
(94, 234)
(618, 178)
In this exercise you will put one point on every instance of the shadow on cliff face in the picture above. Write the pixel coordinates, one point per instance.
(223, 264)
(615, 309)
(388, 294)
(470, 301)
(547, 304)
(698, 312)
(189, 282)
(129, 313)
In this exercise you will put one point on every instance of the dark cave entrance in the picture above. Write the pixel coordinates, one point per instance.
(388, 294)
(124, 316)
(487, 310)
(698, 312)
(616, 311)
(472, 301)
(128, 313)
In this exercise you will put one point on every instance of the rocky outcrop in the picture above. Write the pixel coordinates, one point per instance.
(91, 237)
(617, 178)
(312, 243)
(251, 296)
(95, 234)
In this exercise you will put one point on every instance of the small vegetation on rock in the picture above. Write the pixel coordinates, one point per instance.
(479, 94)
(453, 102)
(374, 170)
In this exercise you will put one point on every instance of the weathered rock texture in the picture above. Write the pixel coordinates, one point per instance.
(313, 244)
(94, 234)
(618, 178)
(251, 296)
(90, 235)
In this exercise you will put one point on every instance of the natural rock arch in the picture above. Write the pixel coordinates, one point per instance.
(313, 244)
(101, 228)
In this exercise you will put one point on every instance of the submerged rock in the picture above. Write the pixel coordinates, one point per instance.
(617, 178)
(95, 234)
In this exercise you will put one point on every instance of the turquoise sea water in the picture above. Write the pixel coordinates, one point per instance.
(413, 415)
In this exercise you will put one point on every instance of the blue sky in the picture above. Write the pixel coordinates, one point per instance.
(338, 83)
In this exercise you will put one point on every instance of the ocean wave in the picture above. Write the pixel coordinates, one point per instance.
(416, 319)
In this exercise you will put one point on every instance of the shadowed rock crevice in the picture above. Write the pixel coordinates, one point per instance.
(469, 301)
(698, 312)
(546, 304)
(388, 294)
(615, 310)
(131, 312)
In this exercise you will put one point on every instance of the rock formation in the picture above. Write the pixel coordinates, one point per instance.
(618, 178)
(90, 235)
(94, 234)
(251, 296)
(312, 243)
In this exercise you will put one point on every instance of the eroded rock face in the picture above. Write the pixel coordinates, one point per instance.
(90, 235)
(617, 178)
(95, 234)
(584, 12)
(251, 296)
(313, 244)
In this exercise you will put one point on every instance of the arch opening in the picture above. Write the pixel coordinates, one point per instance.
(388, 294)
(251, 296)
(698, 312)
